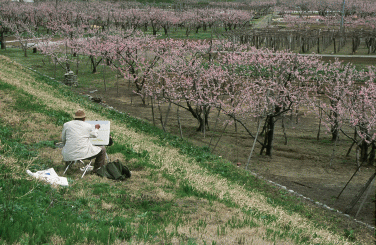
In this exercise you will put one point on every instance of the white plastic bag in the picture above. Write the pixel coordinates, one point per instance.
(50, 176)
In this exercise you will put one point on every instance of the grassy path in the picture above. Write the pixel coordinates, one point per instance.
(171, 198)
(264, 22)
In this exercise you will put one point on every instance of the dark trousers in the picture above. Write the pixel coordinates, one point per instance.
(100, 158)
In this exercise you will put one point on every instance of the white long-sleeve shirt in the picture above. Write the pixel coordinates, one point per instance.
(76, 141)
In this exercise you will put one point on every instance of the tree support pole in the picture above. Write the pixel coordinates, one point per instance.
(219, 138)
(179, 124)
(350, 180)
(365, 198)
(253, 147)
(356, 199)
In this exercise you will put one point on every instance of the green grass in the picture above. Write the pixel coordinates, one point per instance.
(180, 33)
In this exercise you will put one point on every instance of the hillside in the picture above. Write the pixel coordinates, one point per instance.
(178, 193)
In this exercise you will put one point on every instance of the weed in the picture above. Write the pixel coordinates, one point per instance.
(100, 188)
(45, 143)
(326, 142)
(186, 189)
(169, 177)
(126, 232)
(12, 145)
(350, 234)
(236, 223)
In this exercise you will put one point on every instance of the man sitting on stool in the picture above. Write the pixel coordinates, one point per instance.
(75, 136)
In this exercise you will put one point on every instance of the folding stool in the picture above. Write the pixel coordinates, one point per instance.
(85, 168)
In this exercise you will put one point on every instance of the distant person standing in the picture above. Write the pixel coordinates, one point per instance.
(76, 140)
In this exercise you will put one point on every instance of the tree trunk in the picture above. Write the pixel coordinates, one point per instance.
(371, 158)
(187, 32)
(353, 46)
(165, 31)
(269, 136)
(161, 117)
(94, 64)
(334, 132)
(333, 152)
(203, 122)
(334, 128)
(2, 40)
(67, 65)
(201, 113)
(77, 64)
(284, 129)
(318, 132)
(363, 152)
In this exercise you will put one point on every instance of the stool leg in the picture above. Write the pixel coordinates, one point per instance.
(67, 167)
(86, 168)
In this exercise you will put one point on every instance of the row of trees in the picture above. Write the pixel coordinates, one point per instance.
(44, 16)
(362, 8)
(332, 22)
(27, 21)
(241, 82)
(312, 31)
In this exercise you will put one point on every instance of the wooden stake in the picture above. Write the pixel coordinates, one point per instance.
(104, 77)
(349, 180)
(168, 112)
(356, 199)
(284, 129)
(215, 127)
(254, 143)
(161, 117)
(365, 198)
(152, 109)
(318, 132)
(179, 124)
(219, 138)
(204, 116)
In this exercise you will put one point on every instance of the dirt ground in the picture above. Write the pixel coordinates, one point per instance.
(302, 165)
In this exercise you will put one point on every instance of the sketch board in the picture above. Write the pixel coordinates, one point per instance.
(103, 133)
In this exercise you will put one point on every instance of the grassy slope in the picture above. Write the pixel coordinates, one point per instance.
(178, 194)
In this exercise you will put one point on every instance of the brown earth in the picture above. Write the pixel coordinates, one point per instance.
(302, 165)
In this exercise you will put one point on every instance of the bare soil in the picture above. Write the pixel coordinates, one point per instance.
(302, 165)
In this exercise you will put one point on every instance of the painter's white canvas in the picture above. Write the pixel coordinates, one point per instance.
(103, 133)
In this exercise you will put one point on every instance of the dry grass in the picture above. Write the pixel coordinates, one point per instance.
(10, 162)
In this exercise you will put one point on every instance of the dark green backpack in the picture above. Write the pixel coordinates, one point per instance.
(114, 170)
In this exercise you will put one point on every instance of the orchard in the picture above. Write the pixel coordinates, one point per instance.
(253, 77)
